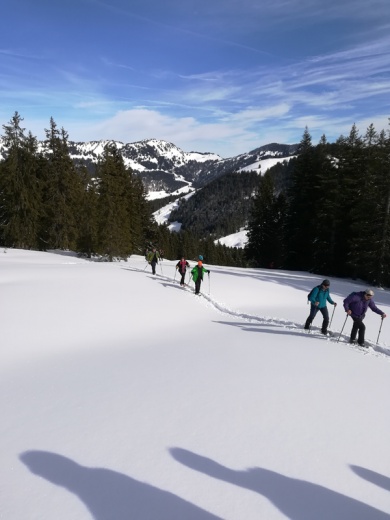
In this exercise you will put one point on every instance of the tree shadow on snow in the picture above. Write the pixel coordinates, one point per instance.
(111, 495)
(372, 476)
(296, 499)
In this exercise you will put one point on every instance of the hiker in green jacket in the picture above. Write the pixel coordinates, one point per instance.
(153, 257)
(197, 274)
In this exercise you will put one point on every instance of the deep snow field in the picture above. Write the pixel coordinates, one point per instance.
(126, 397)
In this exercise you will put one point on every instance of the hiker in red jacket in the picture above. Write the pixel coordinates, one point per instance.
(181, 266)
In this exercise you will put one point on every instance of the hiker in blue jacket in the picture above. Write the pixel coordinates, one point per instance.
(356, 305)
(318, 297)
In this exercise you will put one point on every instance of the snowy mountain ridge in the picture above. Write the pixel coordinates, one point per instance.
(164, 167)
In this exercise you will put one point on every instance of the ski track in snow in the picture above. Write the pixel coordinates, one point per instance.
(372, 349)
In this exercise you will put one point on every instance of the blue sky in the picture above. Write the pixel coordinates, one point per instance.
(223, 76)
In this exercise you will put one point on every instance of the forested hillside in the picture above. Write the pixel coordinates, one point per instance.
(220, 208)
(333, 214)
(327, 210)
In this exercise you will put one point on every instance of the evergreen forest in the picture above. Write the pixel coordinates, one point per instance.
(325, 211)
(328, 210)
(47, 201)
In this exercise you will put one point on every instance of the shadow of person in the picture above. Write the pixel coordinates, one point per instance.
(296, 499)
(372, 476)
(111, 495)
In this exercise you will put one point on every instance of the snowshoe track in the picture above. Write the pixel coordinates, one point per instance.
(343, 340)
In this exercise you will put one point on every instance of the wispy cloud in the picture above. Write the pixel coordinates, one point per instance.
(218, 76)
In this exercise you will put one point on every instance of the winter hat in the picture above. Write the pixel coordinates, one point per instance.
(370, 292)
(200, 257)
(326, 283)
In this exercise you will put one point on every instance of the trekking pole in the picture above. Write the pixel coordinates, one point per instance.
(161, 267)
(209, 282)
(342, 329)
(147, 263)
(174, 278)
(334, 308)
(380, 328)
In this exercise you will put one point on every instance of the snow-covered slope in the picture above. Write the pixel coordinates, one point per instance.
(123, 395)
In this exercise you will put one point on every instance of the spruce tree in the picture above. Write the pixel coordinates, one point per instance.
(302, 204)
(380, 260)
(114, 228)
(326, 219)
(266, 226)
(88, 221)
(19, 188)
(63, 191)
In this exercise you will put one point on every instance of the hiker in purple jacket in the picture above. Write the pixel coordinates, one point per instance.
(356, 305)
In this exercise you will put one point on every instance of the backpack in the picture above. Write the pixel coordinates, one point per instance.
(311, 292)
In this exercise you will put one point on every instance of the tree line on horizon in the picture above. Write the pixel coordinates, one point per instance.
(328, 210)
(47, 201)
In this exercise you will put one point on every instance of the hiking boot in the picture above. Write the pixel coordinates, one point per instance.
(352, 341)
(363, 345)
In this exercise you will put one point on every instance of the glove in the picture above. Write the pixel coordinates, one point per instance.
(208, 272)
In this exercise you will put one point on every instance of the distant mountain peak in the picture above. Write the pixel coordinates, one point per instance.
(163, 166)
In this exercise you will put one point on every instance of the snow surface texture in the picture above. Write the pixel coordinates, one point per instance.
(238, 239)
(124, 396)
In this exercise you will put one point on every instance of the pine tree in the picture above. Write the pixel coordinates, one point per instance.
(302, 203)
(19, 188)
(351, 165)
(327, 216)
(114, 228)
(380, 260)
(266, 226)
(63, 191)
(141, 219)
(88, 222)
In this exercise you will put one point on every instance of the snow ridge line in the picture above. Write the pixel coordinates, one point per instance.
(373, 349)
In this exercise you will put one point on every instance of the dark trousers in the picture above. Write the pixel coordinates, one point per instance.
(197, 285)
(358, 325)
(183, 275)
(313, 311)
(153, 264)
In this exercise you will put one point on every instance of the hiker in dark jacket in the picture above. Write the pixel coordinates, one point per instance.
(181, 266)
(318, 297)
(197, 274)
(356, 305)
(153, 257)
